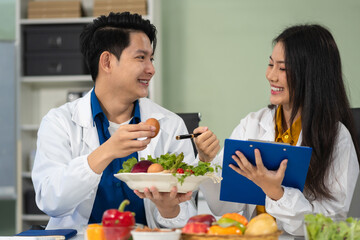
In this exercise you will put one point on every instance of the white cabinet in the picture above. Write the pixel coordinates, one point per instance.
(36, 95)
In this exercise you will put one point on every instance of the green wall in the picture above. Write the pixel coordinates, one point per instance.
(215, 52)
(7, 20)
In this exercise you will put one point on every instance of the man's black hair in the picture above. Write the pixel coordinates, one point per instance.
(112, 33)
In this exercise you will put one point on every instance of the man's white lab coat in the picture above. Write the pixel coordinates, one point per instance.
(65, 185)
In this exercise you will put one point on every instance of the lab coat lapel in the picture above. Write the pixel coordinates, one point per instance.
(267, 124)
(91, 138)
(83, 117)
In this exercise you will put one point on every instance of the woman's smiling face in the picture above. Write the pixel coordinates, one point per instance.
(276, 75)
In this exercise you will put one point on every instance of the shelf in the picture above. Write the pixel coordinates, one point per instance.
(7, 193)
(26, 174)
(26, 21)
(35, 217)
(29, 127)
(56, 79)
(39, 21)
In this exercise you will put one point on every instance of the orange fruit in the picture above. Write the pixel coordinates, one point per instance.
(95, 232)
(217, 230)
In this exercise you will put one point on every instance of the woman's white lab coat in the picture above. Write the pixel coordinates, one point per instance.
(65, 185)
(289, 211)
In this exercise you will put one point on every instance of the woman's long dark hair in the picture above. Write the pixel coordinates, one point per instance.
(314, 75)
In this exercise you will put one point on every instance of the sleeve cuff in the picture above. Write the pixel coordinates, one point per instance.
(87, 173)
(177, 222)
(283, 201)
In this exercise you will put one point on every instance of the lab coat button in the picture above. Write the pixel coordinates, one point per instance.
(118, 184)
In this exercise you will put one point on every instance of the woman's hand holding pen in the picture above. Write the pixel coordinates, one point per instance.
(206, 143)
(269, 181)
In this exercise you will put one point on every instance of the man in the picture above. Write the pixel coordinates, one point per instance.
(83, 143)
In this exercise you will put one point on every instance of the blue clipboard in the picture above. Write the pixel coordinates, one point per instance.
(237, 188)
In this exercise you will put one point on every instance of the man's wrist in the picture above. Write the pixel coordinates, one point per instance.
(99, 159)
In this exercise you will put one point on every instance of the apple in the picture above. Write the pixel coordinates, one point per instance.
(208, 219)
(195, 227)
(141, 166)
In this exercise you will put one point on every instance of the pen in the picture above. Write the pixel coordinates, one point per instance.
(187, 136)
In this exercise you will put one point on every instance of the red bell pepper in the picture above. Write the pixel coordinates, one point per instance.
(117, 223)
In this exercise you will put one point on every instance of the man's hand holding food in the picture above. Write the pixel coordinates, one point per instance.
(166, 202)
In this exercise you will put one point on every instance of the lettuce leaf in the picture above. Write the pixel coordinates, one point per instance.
(320, 227)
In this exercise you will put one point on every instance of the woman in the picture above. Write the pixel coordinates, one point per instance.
(309, 107)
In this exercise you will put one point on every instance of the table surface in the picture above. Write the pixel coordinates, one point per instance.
(282, 237)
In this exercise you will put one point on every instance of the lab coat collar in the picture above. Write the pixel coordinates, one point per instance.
(267, 123)
(83, 117)
(82, 113)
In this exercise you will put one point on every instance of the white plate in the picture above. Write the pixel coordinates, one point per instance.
(162, 181)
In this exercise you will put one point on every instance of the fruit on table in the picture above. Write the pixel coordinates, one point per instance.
(155, 167)
(141, 166)
(155, 123)
(208, 219)
(195, 227)
(95, 232)
(237, 217)
(229, 223)
(261, 224)
(218, 230)
(117, 223)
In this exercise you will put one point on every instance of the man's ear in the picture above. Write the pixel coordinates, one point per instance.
(105, 61)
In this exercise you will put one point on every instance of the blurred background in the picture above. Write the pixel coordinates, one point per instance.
(211, 59)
